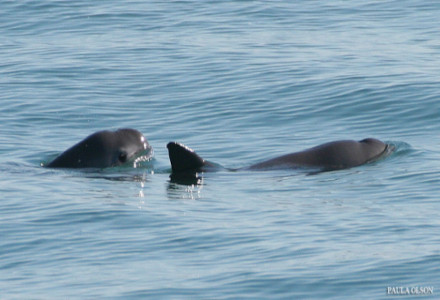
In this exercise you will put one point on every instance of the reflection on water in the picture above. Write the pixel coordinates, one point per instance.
(185, 186)
(142, 178)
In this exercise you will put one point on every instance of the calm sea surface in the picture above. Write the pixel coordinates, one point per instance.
(240, 82)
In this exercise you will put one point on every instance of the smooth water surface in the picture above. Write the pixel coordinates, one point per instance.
(240, 82)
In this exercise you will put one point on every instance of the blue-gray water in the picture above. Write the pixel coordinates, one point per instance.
(239, 81)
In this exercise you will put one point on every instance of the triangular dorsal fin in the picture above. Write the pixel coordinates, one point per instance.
(183, 158)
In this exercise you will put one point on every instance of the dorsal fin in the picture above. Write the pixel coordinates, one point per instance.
(183, 158)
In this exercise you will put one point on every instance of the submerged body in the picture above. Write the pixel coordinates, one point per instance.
(103, 149)
(330, 156)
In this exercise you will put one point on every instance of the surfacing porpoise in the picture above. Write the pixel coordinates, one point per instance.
(329, 156)
(104, 149)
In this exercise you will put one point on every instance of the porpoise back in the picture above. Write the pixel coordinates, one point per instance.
(329, 156)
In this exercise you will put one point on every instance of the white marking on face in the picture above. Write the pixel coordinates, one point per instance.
(144, 142)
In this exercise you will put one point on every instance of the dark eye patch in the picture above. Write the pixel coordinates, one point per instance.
(122, 157)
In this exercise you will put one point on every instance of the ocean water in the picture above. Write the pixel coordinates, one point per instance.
(240, 82)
